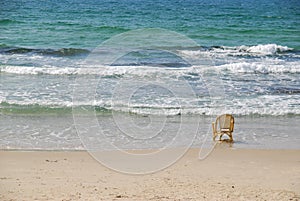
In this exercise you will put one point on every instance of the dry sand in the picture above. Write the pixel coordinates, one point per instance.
(227, 174)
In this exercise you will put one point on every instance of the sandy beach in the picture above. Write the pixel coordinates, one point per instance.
(227, 174)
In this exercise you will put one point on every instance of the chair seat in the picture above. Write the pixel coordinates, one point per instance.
(225, 130)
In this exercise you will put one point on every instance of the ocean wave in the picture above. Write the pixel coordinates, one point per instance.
(99, 70)
(267, 49)
(25, 70)
(256, 50)
(17, 61)
(236, 68)
(244, 50)
(258, 67)
(266, 105)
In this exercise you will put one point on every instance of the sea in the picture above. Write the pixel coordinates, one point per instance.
(148, 74)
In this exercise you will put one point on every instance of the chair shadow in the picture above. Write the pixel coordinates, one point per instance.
(224, 143)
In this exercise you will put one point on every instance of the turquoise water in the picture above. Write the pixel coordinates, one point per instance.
(253, 49)
(84, 24)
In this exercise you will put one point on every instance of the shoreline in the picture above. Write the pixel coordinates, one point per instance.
(226, 174)
(223, 146)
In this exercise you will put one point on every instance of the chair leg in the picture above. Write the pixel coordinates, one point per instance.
(221, 137)
(230, 136)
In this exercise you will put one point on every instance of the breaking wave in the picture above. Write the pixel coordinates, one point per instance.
(244, 50)
(264, 68)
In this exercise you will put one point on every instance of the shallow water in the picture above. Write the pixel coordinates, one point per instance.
(58, 132)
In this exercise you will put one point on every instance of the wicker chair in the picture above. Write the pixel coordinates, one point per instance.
(224, 124)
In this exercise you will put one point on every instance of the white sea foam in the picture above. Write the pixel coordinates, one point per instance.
(223, 51)
(36, 60)
(100, 70)
(267, 49)
(263, 66)
(259, 67)
(38, 70)
(274, 105)
(25, 70)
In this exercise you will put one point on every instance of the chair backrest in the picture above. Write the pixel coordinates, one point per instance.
(225, 121)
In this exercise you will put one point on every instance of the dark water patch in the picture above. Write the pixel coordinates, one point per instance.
(284, 90)
(153, 58)
(9, 21)
(111, 28)
(63, 52)
(155, 64)
(66, 52)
